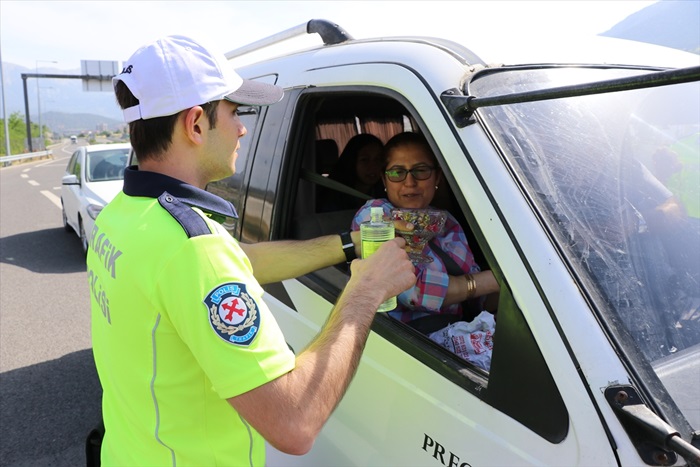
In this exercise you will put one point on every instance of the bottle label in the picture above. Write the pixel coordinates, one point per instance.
(369, 247)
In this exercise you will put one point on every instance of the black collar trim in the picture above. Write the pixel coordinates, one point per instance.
(152, 185)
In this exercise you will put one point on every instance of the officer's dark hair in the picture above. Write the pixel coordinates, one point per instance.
(152, 137)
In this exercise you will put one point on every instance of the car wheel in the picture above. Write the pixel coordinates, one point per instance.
(67, 227)
(83, 237)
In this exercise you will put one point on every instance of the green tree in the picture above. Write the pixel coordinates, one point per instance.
(18, 134)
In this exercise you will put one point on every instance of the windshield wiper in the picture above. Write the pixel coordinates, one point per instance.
(656, 441)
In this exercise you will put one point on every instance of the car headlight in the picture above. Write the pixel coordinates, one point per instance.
(93, 210)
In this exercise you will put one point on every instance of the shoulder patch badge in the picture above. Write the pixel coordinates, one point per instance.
(233, 314)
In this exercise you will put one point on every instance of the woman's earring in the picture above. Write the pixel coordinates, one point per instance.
(384, 189)
(436, 187)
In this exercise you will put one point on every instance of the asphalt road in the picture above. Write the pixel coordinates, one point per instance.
(49, 391)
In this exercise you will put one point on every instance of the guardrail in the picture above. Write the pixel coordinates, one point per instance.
(7, 160)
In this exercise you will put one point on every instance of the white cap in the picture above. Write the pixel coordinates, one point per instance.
(176, 73)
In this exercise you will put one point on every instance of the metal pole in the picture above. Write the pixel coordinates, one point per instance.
(26, 114)
(41, 132)
(38, 100)
(44, 75)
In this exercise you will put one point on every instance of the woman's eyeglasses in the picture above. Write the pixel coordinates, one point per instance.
(418, 173)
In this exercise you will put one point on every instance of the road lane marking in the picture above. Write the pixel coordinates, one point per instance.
(53, 198)
(24, 175)
(54, 160)
(33, 182)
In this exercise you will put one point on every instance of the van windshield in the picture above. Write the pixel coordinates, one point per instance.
(616, 178)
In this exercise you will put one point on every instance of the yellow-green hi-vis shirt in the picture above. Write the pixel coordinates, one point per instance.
(178, 327)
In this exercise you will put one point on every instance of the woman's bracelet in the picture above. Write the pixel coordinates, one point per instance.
(471, 286)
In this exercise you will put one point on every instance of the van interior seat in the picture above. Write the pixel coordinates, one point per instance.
(326, 155)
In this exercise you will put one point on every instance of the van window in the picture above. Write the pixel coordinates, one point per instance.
(323, 122)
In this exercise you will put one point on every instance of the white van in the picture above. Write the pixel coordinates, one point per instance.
(550, 167)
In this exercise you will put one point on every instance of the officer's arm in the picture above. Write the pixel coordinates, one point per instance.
(285, 259)
(291, 410)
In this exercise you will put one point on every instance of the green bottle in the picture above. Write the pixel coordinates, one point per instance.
(372, 234)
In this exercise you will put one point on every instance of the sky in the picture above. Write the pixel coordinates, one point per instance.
(57, 35)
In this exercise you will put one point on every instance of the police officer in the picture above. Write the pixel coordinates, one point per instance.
(193, 366)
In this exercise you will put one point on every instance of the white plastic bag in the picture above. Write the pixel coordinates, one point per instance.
(472, 341)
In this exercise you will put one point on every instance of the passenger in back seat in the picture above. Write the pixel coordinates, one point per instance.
(359, 167)
(411, 177)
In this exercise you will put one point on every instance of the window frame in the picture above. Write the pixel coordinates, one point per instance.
(520, 362)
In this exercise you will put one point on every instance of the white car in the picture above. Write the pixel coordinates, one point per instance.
(94, 176)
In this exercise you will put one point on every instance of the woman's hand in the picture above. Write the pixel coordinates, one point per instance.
(403, 225)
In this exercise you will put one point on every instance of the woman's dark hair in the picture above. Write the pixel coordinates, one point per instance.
(153, 137)
(344, 170)
(404, 139)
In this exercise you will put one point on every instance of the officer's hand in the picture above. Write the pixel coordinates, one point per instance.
(387, 270)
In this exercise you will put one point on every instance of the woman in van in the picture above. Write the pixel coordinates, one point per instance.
(411, 177)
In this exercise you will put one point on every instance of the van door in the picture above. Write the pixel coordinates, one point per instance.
(413, 402)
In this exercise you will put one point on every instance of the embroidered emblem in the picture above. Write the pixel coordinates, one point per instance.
(233, 314)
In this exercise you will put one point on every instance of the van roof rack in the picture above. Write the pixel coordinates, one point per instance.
(330, 33)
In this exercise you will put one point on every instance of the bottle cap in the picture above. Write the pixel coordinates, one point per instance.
(376, 214)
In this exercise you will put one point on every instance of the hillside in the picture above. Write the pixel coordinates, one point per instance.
(74, 123)
(673, 24)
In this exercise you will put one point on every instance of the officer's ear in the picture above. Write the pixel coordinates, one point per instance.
(193, 121)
